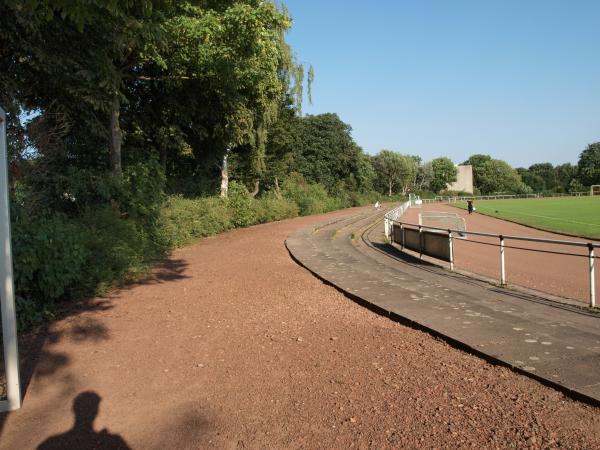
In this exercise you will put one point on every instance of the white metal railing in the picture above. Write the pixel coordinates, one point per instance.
(456, 198)
(591, 246)
(393, 215)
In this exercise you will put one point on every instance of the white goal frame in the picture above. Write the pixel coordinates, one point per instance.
(594, 189)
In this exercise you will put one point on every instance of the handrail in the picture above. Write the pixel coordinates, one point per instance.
(393, 215)
(506, 236)
(449, 231)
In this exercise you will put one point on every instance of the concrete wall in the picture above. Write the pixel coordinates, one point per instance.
(464, 180)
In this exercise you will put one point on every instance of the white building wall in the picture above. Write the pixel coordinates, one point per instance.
(464, 180)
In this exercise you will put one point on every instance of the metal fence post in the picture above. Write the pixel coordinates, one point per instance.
(502, 267)
(451, 247)
(420, 242)
(592, 277)
(402, 234)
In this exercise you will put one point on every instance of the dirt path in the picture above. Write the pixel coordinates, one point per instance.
(232, 345)
(565, 276)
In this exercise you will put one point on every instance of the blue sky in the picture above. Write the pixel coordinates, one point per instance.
(519, 80)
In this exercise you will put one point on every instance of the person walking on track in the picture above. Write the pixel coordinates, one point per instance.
(470, 206)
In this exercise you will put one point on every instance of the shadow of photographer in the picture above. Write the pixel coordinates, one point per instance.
(83, 436)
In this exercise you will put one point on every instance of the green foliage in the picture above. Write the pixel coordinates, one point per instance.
(320, 148)
(477, 161)
(183, 220)
(395, 171)
(444, 172)
(310, 198)
(57, 257)
(588, 167)
(497, 176)
(241, 205)
(270, 208)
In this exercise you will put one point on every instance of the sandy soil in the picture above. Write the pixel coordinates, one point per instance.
(565, 276)
(230, 344)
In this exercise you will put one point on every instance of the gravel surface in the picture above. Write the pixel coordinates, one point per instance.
(232, 345)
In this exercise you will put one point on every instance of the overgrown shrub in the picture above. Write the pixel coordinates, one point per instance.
(270, 208)
(183, 220)
(240, 205)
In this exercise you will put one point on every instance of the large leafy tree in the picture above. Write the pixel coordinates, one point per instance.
(588, 166)
(395, 171)
(444, 173)
(182, 82)
(477, 160)
(498, 176)
(320, 148)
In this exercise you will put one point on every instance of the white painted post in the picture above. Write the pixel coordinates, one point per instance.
(7, 299)
(450, 244)
(502, 267)
(592, 277)
(386, 226)
(402, 234)
(420, 242)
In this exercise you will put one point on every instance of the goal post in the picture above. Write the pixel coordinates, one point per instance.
(595, 189)
(443, 220)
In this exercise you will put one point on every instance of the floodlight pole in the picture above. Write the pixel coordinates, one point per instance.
(7, 298)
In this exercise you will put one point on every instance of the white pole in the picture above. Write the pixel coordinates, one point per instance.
(502, 267)
(592, 277)
(402, 234)
(7, 299)
(450, 244)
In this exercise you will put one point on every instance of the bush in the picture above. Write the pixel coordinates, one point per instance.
(183, 220)
(59, 258)
(241, 205)
(270, 208)
(310, 198)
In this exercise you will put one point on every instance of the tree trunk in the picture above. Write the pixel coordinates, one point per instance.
(115, 139)
(277, 190)
(390, 191)
(256, 188)
(224, 175)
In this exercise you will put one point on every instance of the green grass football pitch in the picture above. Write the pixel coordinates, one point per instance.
(578, 216)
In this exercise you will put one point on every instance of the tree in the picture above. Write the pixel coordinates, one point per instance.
(588, 166)
(320, 148)
(444, 173)
(547, 173)
(498, 176)
(477, 160)
(565, 173)
(424, 176)
(395, 170)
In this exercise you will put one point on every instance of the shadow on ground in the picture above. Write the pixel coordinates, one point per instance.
(35, 347)
(82, 435)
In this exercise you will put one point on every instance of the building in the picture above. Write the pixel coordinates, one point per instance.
(464, 180)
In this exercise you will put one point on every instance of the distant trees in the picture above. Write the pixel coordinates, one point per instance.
(397, 172)
(497, 176)
(321, 149)
(588, 167)
(491, 175)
